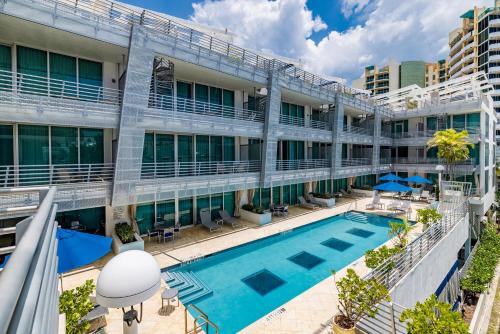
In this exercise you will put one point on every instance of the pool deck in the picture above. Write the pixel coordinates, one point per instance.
(309, 312)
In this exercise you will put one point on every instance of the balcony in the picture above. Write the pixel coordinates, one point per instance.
(357, 130)
(428, 165)
(161, 170)
(284, 165)
(36, 175)
(304, 122)
(66, 102)
(355, 162)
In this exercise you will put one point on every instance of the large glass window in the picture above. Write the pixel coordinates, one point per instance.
(33, 145)
(265, 197)
(62, 68)
(276, 195)
(184, 90)
(202, 148)
(202, 202)
(229, 149)
(293, 194)
(185, 153)
(474, 120)
(256, 197)
(186, 211)
(201, 92)
(89, 72)
(32, 62)
(165, 155)
(286, 194)
(216, 202)
(229, 205)
(64, 145)
(91, 146)
(459, 122)
(215, 95)
(5, 65)
(6, 145)
(145, 217)
(165, 212)
(228, 98)
(93, 219)
(253, 149)
(215, 148)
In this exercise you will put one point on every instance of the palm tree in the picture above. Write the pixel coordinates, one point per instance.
(452, 146)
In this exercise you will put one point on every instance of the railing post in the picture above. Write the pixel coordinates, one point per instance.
(393, 321)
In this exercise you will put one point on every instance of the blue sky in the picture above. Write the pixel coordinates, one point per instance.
(332, 37)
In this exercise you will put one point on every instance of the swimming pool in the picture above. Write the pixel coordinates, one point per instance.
(246, 282)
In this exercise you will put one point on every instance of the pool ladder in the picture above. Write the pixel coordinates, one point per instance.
(201, 323)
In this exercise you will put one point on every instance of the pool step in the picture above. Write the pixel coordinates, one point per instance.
(356, 217)
(190, 287)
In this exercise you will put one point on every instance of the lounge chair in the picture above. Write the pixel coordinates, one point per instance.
(307, 205)
(206, 221)
(346, 194)
(394, 205)
(407, 195)
(424, 196)
(405, 207)
(226, 218)
(375, 204)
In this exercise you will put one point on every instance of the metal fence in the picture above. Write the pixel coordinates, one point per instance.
(429, 161)
(356, 162)
(302, 164)
(304, 122)
(33, 175)
(183, 169)
(29, 299)
(182, 105)
(385, 321)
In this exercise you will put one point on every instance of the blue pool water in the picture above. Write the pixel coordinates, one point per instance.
(253, 279)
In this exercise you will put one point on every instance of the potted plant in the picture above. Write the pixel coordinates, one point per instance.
(124, 238)
(323, 199)
(257, 215)
(357, 298)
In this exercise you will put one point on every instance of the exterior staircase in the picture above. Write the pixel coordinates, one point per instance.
(356, 217)
(190, 287)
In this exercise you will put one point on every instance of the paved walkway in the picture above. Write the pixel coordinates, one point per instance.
(304, 314)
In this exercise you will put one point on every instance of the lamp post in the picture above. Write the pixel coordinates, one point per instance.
(128, 279)
(439, 169)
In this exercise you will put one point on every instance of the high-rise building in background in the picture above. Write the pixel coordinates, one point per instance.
(394, 75)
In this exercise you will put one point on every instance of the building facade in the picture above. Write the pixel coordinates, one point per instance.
(134, 116)
(399, 75)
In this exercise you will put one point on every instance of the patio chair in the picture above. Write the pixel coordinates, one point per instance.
(284, 210)
(168, 233)
(346, 194)
(274, 210)
(307, 205)
(226, 218)
(154, 233)
(375, 204)
(407, 195)
(394, 205)
(424, 196)
(206, 221)
(177, 228)
(405, 207)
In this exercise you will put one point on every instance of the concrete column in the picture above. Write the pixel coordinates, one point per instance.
(271, 124)
(377, 126)
(337, 123)
(131, 133)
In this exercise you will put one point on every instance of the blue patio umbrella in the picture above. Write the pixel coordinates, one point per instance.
(390, 177)
(392, 186)
(418, 179)
(76, 249)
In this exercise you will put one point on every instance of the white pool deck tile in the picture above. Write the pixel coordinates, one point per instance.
(309, 312)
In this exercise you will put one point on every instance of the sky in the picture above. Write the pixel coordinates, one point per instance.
(333, 37)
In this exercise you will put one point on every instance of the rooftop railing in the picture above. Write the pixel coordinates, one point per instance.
(27, 84)
(34, 175)
(29, 302)
(304, 122)
(430, 133)
(357, 130)
(302, 164)
(429, 161)
(356, 162)
(183, 105)
(182, 169)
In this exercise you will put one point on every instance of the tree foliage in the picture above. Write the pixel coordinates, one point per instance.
(75, 303)
(400, 230)
(428, 216)
(375, 257)
(484, 262)
(433, 317)
(452, 146)
(358, 297)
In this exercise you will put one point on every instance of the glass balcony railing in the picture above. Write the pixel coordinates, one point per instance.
(25, 85)
(34, 175)
(182, 169)
(302, 164)
(182, 105)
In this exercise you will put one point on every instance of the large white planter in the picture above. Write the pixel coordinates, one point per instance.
(119, 247)
(260, 219)
(325, 202)
(362, 192)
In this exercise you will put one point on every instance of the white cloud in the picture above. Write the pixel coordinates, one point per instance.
(404, 30)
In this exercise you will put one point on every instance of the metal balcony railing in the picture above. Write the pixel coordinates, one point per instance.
(182, 169)
(182, 105)
(357, 130)
(304, 122)
(393, 269)
(430, 133)
(302, 164)
(428, 161)
(385, 161)
(356, 162)
(33, 175)
(29, 300)
(21, 84)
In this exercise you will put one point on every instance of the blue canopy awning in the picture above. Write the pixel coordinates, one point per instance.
(392, 186)
(390, 177)
(418, 179)
(76, 249)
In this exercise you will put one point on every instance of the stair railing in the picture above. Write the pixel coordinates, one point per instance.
(199, 322)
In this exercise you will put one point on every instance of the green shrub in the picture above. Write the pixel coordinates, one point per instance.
(400, 230)
(433, 317)
(125, 232)
(247, 207)
(358, 297)
(375, 257)
(484, 262)
(428, 216)
(322, 195)
(75, 304)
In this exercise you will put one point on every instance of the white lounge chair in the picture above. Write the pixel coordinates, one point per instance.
(425, 196)
(307, 205)
(226, 218)
(206, 221)
(375, 204)
(394, 205)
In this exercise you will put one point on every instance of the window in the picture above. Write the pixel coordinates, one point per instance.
(91, 146)
(64, 145)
